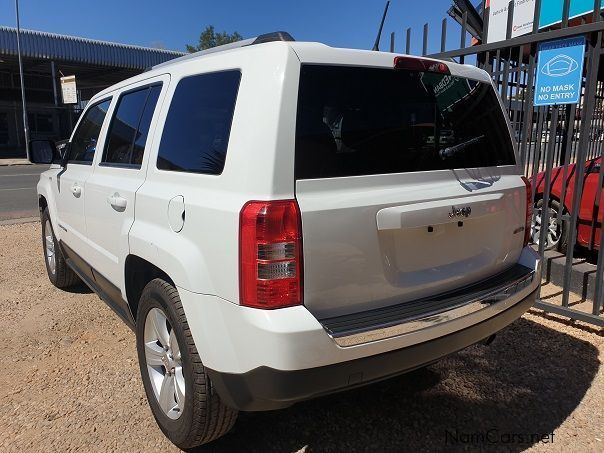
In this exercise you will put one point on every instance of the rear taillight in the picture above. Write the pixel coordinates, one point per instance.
(270, 254)
(529, 210)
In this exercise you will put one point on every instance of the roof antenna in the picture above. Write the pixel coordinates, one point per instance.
(376, 46)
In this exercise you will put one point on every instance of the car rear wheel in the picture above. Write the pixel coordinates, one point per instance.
(59, 273)
(183, 400)
(556, 237)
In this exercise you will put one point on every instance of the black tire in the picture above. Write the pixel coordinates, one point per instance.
(204, 417)
(562, 244)
(64, 276)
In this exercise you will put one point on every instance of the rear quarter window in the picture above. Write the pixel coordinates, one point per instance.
(198, 125)
(355, 121)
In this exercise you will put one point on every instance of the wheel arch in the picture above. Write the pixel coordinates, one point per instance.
(47, 200)
(42, 203)
(553, 197)
(138, 272)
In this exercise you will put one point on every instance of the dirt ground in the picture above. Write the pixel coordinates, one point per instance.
(69, 380)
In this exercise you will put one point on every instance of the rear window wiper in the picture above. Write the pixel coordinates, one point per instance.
(452, 150)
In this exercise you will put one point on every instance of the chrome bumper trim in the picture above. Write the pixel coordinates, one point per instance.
(488, 303)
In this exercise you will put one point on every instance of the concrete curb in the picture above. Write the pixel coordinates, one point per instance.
(11, 162)
(18, 221)
(582, 281)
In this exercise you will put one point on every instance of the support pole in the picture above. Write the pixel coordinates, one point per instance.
(25, 123)
(53, 72)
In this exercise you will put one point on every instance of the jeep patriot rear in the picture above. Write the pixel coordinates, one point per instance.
(279, 220)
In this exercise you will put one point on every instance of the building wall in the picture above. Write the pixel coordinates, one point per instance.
(96, 65)
(45, 119)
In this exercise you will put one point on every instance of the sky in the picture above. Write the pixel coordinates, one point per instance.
(172, 25)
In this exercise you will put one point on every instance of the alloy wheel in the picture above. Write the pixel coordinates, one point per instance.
(49, 247)
(554, 228)
(164, 363)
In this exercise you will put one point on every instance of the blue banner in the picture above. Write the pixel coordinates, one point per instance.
(551, 10)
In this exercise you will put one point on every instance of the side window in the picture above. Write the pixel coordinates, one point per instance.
(83, 143)
(197, 129)
(130, 126)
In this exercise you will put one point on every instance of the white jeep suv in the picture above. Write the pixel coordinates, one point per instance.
(280, 220)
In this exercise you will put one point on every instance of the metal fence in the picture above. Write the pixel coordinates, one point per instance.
(566, 136)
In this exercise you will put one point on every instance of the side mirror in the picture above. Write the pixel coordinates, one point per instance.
(42, 152)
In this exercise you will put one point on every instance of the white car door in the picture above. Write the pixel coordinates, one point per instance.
(71, 180)
(119, 171)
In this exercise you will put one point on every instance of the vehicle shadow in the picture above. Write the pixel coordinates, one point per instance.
(80, 288)
(526, 382)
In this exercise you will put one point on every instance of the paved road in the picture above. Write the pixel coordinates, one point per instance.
(18, 191)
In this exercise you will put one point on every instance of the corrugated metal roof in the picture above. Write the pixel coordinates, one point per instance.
(52, 46)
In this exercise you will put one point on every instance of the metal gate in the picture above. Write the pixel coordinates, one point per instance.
(560, 141)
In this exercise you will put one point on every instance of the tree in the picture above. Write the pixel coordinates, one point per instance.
(209, 38)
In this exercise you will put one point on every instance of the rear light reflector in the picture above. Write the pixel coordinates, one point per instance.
(421, 65)
(274, 271)
(529, 210)
(278, 251)
(270, 254)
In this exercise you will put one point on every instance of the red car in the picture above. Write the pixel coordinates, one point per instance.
(589, 214)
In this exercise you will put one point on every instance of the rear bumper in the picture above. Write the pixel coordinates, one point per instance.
(268, 359)
(266, 388)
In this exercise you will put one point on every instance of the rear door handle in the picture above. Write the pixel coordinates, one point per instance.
(76, 190)
(117, 202)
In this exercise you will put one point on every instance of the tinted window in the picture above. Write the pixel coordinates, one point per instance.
(198, 125)
(3, 128)
(130, 126)
(83, 143)
(362, 121)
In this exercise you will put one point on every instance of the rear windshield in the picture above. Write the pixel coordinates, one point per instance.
(364, 121)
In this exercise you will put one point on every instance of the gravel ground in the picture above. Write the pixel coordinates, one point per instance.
(69, 380)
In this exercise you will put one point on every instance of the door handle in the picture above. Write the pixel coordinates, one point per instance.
(117, 202)
(76, 190)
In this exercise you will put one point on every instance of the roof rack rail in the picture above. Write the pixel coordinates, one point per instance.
(267, 37)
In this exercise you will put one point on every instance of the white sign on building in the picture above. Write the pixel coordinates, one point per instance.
(522, 23)
(69, 90)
